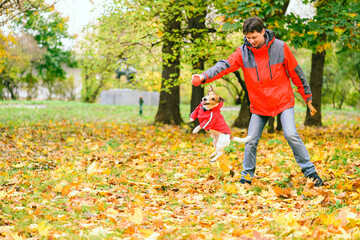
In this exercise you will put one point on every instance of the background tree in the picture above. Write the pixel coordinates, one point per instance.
(335, 20)
(49, 30)
(6, 81)
(10, 9)
(169, 109)
(28, 56)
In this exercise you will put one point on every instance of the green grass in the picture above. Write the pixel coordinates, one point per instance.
(21, 112)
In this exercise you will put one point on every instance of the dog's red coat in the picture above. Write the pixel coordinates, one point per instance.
(211, 119)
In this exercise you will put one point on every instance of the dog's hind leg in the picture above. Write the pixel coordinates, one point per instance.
(222, 141)
(218, 154)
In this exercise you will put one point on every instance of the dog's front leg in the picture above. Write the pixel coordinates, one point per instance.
(197, 129)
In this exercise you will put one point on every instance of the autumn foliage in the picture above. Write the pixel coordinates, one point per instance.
(105, 180)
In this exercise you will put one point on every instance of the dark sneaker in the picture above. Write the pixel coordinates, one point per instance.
(315, 177)
(243, 181)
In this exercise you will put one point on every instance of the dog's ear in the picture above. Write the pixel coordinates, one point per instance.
(211, 88)
(221, 99)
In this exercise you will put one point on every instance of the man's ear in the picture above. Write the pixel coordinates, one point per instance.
(221, 99)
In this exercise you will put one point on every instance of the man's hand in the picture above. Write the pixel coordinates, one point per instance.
(191, 120)
(197, 79)
(197, 129)
(311, 107)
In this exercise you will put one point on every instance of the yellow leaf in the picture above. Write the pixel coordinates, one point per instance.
(339, 30)
(323, 47)
(43, 228)
(70, 140)
(17, 237)
(146, 233)
(328, 219)
(248, 177)
(138, 216)
(229, 188)
(140, 200)
(106, 171)
(223, 166)
(184, 145)
(160, 33)
(2, 195)
(62, 217)
(93, 168)
(96, 147)
(188, 201)
(112, 211)
(317, 200)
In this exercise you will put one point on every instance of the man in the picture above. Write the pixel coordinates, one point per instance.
(267, 64)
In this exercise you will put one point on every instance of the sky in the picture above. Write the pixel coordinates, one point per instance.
(83, 12)
(80, 13)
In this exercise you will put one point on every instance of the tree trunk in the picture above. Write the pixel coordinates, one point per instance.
(10, 87)
(271, 124)
(278, 123)
(169, 104)
(197, 22)
(316, 80)
(243, 120)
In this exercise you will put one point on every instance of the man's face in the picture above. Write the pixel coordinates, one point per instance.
(256, 39)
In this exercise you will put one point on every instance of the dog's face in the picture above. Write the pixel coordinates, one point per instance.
(211, 100)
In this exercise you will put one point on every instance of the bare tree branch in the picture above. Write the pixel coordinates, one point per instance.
(9, 9)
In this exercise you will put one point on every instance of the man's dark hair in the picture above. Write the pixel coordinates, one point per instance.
(252, 24)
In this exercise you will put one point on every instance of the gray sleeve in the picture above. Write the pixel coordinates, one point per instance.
(216, 69)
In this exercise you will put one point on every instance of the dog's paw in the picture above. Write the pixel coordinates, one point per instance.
(197, 129)
(247, 138)
(212, 161)
(242, 140)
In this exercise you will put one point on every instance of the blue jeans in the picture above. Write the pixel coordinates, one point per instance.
(256, 127)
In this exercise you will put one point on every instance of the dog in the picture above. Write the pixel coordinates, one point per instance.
(210, 118)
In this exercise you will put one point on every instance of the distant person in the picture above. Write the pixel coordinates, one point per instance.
(267, 64)
(141, 102)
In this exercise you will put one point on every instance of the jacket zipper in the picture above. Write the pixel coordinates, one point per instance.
(270, 70)
(257, 73)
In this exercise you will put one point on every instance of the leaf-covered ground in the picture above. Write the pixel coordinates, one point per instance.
(103, 180)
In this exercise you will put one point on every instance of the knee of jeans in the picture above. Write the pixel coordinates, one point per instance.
(252, 142)
(291, 136)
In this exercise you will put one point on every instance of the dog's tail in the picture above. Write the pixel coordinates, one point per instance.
(241, 140)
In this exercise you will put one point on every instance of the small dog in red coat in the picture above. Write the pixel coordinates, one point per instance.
(210, 118)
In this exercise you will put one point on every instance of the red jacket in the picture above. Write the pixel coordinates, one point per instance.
(211, 119)
(266, 72)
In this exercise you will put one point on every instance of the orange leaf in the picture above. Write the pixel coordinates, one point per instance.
(100, 205)
(282, 192)
(66, 190)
